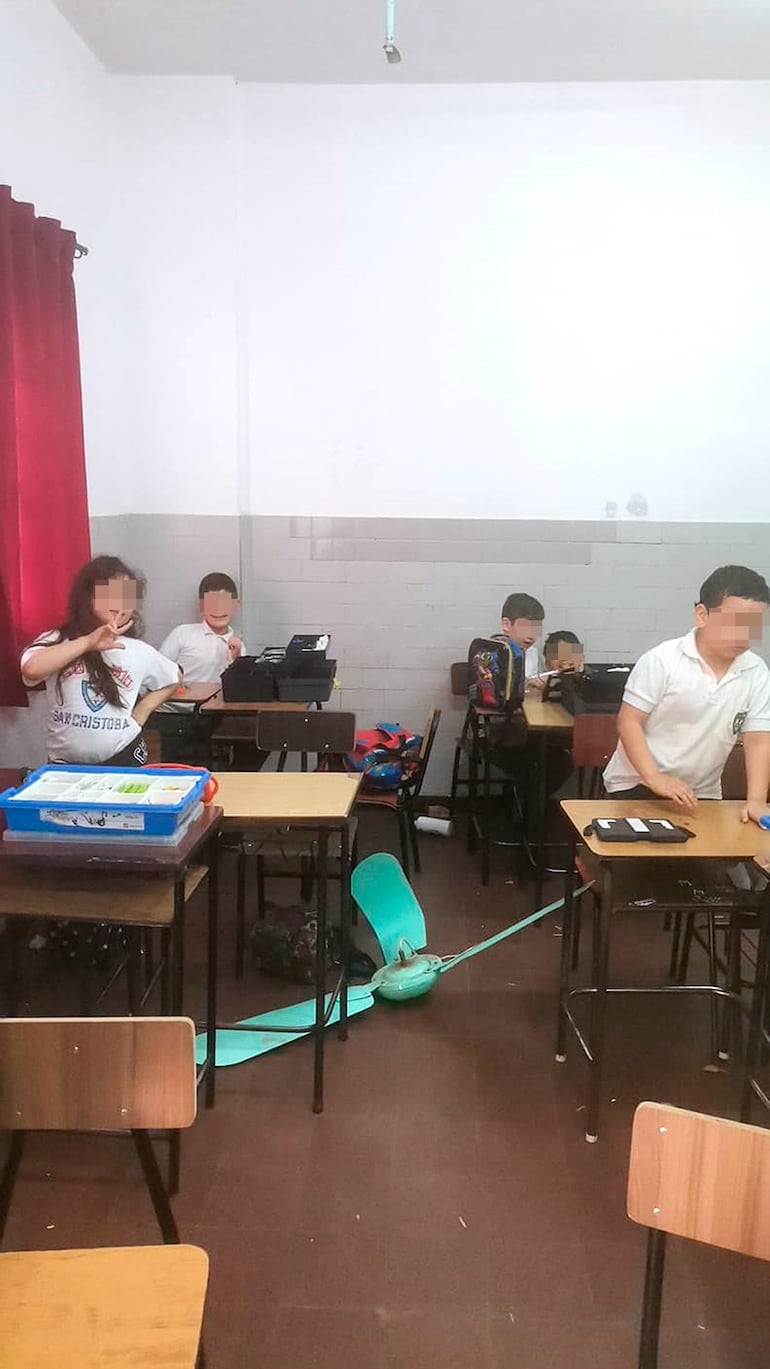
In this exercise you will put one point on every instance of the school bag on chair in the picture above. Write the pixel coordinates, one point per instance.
(387, 755)
(497, 684)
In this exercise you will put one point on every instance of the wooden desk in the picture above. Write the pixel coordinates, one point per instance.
(546, 717)
(279, 799)
(719, 832)
(197, 693)
(102, 1309)
(322, 803)
(719, 835)
(142, 885)
(544, 721)
(220, 708)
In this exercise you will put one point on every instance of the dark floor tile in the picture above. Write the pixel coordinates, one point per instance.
(581, 1343)
(440, 1338)
(323, 1338)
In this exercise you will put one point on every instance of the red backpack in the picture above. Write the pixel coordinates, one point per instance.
(388, 754)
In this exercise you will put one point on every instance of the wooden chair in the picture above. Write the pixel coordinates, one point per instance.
(331, 736)
(719, 935)
(704, 1178)
(404, 801)
(129, 1074)
(594, 738)
(459, 680)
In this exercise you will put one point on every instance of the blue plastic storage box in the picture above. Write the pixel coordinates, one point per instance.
(104, 801)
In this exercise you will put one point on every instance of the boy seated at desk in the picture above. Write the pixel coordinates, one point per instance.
(688, 701)
(564, 654)
(202, 650)
(521, 621)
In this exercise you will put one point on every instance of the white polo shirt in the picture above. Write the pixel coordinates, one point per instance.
(533, 662)
(694, 719)
(202, 654)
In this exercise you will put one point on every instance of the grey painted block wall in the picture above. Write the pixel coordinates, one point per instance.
(403, 597)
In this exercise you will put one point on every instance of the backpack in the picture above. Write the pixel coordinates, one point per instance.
(496, 674)
(284, 943)
(387, 754)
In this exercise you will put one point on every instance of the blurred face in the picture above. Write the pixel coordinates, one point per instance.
(564, 656)
(218, 607)
(524, 631)
(729, 630)
(116, 601)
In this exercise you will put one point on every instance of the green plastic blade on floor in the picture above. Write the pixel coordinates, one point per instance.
(385, 897)
(234, 1047)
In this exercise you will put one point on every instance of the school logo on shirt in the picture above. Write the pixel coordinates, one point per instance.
(91, 697)
(738, 722)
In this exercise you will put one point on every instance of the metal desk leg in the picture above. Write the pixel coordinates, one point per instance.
(345, 917)
(758, 1003)
(599, 1001)
(320, 971)
(177, 991)
(540, 803)
(487, 811)
(566, 952)
(211, 972)
(473, 783)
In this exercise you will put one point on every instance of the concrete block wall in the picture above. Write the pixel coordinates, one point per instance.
(403, 597)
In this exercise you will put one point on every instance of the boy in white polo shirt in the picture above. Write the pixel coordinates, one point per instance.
(202, 651)
(688, 701)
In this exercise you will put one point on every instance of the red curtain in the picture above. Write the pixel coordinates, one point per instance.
(43, 499)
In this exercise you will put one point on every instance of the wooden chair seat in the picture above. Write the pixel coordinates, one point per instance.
(109, 1307)
(702, 1178)
(78, 897)
(387, 800)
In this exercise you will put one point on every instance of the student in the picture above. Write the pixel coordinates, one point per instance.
(202, 650)
(563, 651)
(101, 680)
(205, 649)
(522, 622)
(688, 701)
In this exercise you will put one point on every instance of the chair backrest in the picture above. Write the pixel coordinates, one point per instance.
(702, 1177)
(460, 678)
(594, 738)
(331, 734)
(96, 1073)
(414, 784)
(734, 775)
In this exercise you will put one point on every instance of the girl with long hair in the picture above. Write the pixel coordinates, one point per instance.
(101, 679)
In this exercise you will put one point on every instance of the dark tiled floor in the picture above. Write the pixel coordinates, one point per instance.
(445, 1211)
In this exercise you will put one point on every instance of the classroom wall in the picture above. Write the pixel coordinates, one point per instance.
(403, 597)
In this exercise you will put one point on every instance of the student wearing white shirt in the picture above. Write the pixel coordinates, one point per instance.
(101, 681)
(205, 649)
(688, 701)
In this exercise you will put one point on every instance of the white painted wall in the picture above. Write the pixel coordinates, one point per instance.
(472, 301)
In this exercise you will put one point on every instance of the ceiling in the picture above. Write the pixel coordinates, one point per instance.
(440, 40)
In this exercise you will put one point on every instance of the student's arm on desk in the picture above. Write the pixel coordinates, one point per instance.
(756, 754)
(631, 724)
